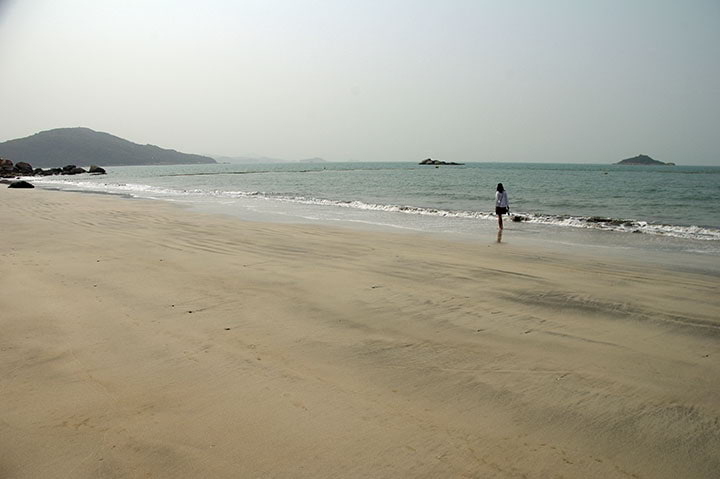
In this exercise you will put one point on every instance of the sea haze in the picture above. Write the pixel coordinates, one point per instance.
(681, 202)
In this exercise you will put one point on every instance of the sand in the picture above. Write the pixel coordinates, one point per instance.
(140, 339)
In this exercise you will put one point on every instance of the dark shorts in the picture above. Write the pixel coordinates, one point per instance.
(500, 210)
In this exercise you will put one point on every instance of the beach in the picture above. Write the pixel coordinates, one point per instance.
(143, 339)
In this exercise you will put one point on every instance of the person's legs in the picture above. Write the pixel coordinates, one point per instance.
(500, 221)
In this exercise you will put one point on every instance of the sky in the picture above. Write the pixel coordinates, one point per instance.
(372, 80)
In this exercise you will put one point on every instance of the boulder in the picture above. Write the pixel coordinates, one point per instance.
(96, 170)
(72, 170)
(6, 165)
(518, 218)
(23, 168)
(20, 184)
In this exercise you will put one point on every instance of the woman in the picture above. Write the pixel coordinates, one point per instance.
(501, 204)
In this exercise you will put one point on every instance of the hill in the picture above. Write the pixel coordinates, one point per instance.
(642, 160)
(83, 146)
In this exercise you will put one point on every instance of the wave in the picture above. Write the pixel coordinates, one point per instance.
(588, 222)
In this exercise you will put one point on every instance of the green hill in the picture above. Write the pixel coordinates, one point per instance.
(83, 146)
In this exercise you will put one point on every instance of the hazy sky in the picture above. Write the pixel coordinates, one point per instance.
(361, 80)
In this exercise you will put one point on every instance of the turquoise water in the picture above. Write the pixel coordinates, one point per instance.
(679, 202)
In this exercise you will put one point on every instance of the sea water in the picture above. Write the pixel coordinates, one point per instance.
(673, 208)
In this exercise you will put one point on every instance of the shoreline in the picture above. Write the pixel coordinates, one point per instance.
(143, 338)
(619, 246)
(692, 227)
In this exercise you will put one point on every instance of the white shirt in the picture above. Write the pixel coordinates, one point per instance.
(501, 199)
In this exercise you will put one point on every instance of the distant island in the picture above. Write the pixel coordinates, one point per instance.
(312, 160)
(642, 160)
(83, 146)
(430, 161)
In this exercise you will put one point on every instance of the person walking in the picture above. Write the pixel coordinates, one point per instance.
(502, 207)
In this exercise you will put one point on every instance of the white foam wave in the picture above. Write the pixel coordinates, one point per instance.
(607, 224)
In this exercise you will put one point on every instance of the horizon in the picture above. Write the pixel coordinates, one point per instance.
(372, 81)
(257, 159)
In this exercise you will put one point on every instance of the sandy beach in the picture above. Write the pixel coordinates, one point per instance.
(140, 339)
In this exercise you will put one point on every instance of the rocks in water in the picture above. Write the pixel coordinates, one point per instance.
(10, 170)
(609, 221)
(518, 218)
(20, 184)
(642, 160)
(23, 168)
(430, 161)
(6, 168)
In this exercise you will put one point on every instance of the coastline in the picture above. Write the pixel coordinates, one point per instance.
(410, 197)
(143, 338)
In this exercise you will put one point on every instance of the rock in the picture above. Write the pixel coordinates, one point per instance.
(430, 161)
(38, 172)
(609, 221)
(20, 184)
(518, 218)
(642, 160)
(96, 170)
(23, 168)
(6, 165)
(72, 170)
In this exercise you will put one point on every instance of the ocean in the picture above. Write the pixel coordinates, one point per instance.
(662, 208)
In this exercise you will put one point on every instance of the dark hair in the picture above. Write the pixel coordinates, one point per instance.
(500, 188)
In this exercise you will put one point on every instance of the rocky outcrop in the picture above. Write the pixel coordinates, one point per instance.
(23, 168)
(430, 161)
(8, 170)
(642, 160)
(72, 170)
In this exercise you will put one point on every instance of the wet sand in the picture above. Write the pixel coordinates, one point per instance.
(140, 339)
